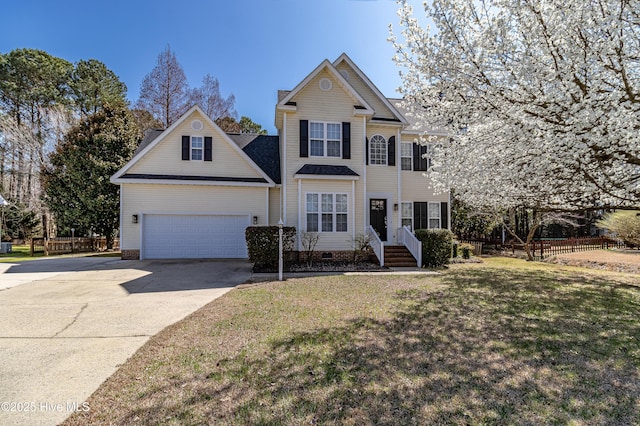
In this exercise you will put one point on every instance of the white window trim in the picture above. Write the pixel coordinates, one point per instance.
(334, 212)
(410, 157)
(325, 140)
(191, 148)
(386, 153)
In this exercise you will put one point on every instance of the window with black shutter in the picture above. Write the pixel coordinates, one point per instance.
(420, 160)
(420, 215)
(346, 140)
(391, 151)
(304, 138)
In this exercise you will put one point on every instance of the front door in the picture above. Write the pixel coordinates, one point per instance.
(378, 217)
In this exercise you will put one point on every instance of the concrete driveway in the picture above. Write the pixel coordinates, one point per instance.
(67, 324)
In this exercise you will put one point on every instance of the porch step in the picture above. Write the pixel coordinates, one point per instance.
(398, 256)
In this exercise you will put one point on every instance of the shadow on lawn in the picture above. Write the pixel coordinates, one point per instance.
(491, 347)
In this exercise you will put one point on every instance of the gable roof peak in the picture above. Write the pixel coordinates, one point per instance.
(142, 151)
(325, 64)
(345, 58)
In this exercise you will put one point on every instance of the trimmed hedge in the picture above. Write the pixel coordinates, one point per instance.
(262, 245)
(436, 246)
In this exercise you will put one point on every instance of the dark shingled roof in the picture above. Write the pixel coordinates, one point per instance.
(283, 94)
(264, 150)
(321, 169)
(149, 136)
(193, 178)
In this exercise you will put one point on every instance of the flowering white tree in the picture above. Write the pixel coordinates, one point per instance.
(541, 99)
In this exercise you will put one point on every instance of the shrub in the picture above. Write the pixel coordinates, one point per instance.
(436, 246)
(262, 245)
(362, 248)
(624, 224)
(309, 240)
(466, 249)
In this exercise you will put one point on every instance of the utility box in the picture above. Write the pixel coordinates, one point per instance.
(6, 247)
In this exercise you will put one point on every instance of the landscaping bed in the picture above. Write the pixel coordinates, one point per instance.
(612, 260)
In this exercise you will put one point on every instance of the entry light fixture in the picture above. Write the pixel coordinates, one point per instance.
(134, 218)
(255, 220)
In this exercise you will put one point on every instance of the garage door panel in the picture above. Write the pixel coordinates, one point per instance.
(194, 236)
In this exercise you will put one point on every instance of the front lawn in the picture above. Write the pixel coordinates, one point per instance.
(19, 253)
(502, 342)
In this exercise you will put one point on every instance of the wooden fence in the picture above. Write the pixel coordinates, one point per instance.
(477, 246)
(66, 245)
(542, 249)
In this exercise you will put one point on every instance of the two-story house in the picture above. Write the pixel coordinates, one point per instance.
(344, 164)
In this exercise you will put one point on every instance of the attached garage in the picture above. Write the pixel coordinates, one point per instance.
(194, 236)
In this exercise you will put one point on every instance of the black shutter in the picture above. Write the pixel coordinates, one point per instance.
(391, 151)
(420, 219)
(419, 162)
(304, 138)
(444, 215)
(366, 150)
(346, 140)
(186, 147)
(208, 148)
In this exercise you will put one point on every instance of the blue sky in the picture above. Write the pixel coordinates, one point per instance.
(253, 47)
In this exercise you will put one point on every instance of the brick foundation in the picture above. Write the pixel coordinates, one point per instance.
(130, 255)
(328, 256)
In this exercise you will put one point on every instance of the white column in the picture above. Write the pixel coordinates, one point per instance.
(299, 227)
(399, 196)
(283, 168)
(267, 210)
(364, 184)
(353, 213)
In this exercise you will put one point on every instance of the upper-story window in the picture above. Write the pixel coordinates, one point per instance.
(423, 156)
(406, 155)
(378, 150)
(325, 139)
(197, 148)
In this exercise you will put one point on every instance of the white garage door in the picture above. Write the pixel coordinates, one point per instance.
(194, 236)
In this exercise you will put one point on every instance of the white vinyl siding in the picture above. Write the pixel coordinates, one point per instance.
(142, 199)
(164, 158)
(334, 106)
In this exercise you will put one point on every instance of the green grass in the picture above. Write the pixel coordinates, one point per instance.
(19, 253)
(505, 342)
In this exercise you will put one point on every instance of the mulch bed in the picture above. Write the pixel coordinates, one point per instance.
(619, 261)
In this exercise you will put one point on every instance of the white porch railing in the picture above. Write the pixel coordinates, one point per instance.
(409, 240)
(376, 244)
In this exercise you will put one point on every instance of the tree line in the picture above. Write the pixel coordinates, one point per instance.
(65, 128)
